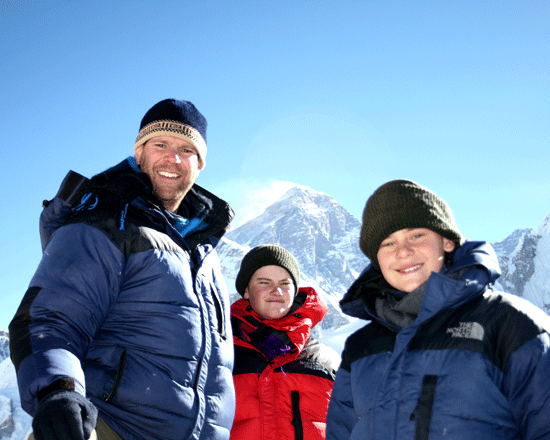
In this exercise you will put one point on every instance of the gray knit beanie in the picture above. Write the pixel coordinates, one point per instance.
(402, 204)
(266, 255)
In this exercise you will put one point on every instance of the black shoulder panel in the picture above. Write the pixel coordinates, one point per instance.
(20, 336)
(316, 359)
(141, 231)
(492, 324)
(495, 324)
(371, 339)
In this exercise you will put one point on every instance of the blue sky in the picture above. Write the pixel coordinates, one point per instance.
(340, 96)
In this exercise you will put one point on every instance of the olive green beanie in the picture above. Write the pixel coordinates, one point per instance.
(402, 204)
(266, 255)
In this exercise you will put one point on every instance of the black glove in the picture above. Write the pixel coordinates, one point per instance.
(64, 415)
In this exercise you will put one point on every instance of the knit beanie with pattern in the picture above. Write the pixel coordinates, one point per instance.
(402, 204)
(173, 117)
(266, 255)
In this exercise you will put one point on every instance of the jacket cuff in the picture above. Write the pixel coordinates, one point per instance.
(65, 384)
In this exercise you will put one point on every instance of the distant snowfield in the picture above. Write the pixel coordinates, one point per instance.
(537, 289)
(15, 424)
(336, 339)
(7, 374)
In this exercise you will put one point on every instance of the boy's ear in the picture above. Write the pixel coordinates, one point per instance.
(246, 295)
(448, 245)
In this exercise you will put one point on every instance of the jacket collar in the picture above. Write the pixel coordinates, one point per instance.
(297, 323)
(125, 184)
(474, 269)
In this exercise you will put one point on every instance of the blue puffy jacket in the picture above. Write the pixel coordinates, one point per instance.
(474, 364)
(129, 303)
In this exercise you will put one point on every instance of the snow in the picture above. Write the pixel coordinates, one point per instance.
(544, 227)
(336, 338)
(10, 404)
(7, 374)
(537, 289)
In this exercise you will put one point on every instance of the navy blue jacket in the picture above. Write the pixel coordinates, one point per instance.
(474, 364)
(129, 304)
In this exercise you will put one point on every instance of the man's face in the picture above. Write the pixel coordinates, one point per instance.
(409, 256)
(270, 292)
(172, 164)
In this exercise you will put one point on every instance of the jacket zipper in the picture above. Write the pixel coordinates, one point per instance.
(296, 416)
(423, 410)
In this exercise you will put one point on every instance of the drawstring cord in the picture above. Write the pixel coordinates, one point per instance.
(84, 202)
(123, 217)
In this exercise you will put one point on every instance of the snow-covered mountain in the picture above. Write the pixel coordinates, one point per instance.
(4, 345)
(15, 424)
(318, 231)
(524, 259)
(323, 237)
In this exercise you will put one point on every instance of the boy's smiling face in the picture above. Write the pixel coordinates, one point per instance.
(409, 256)
(271, 292)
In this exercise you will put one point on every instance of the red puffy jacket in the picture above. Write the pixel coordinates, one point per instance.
(288, 397)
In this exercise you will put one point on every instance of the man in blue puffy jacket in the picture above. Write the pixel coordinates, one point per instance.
(125, 322)
(443, 355)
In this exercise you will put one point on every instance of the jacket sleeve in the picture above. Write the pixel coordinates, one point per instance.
(341, 415)
(527, 384)
(74, 287)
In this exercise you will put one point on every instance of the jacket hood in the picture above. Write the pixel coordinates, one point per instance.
(474, 268)
(306, 312)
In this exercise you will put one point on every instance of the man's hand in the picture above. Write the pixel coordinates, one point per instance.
(64, 415)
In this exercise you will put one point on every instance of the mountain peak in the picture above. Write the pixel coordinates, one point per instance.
(317, 230)
(297, 190)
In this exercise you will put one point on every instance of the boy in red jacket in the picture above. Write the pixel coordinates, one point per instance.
(283, 378)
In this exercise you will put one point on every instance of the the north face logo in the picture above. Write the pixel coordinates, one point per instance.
(469, 330)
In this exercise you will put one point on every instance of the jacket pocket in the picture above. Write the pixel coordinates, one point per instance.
(423, 411)
(110, 387)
